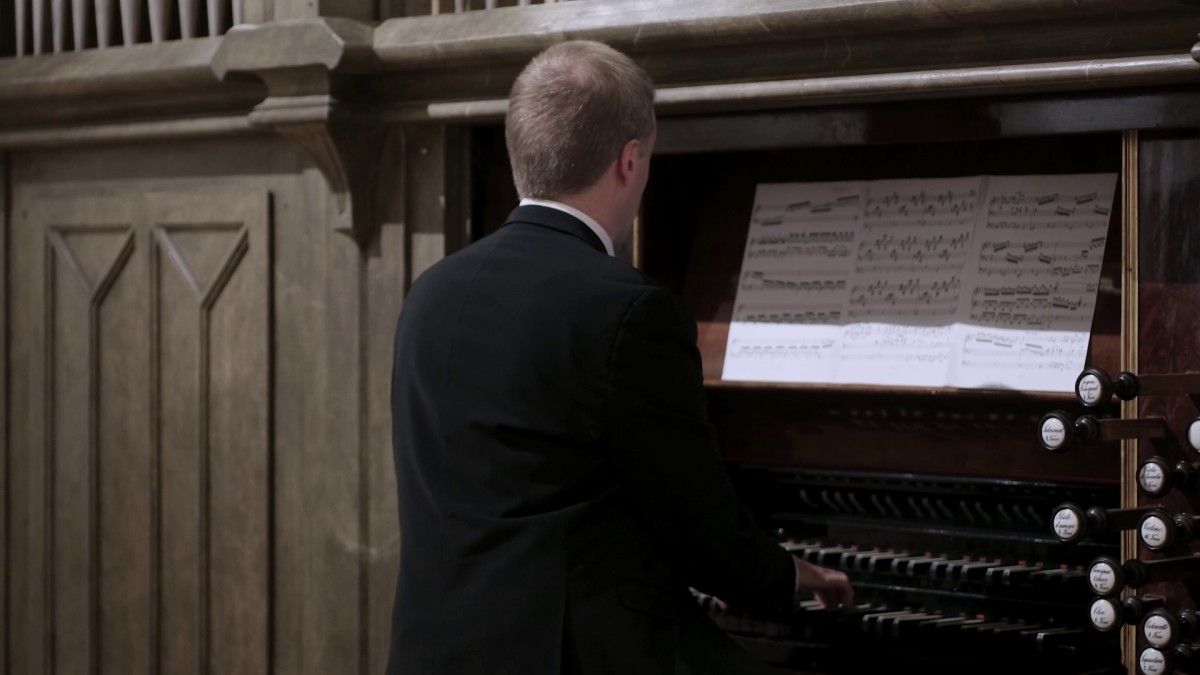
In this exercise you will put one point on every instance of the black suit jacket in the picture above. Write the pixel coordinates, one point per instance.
(560, 486)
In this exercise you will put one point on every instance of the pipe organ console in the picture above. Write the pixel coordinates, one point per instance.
(971, 548)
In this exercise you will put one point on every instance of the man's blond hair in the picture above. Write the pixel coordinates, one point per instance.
(569, 114)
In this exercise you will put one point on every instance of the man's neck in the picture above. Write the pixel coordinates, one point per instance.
(588, 220)
(598, 209)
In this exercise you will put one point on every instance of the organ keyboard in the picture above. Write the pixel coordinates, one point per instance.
(945, 571)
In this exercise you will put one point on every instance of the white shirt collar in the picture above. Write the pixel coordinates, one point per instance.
(587, 220)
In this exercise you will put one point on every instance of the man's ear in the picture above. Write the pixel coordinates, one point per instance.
(627, 160)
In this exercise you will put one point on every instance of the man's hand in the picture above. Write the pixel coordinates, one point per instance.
(831, 587)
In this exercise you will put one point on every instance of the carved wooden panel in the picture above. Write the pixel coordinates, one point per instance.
(141, 459)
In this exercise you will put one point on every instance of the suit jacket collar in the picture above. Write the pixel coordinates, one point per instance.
(556, 220)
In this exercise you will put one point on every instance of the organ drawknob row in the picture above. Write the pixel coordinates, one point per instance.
(1108, 577)
(1166, 633)
(1160, 530)
(1057, 431)
(1108, 614)
(1094, 388)
(1166, 629)
(1156, 476)
(1154, 661)
(1073, 523)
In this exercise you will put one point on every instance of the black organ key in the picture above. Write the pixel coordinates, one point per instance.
(875, 562)
(891, 625)
(974, 571)
(935, 625)
(869, 620)
(1011, 575)
(940, 569)
(958, 627)
(904, 565)
(1058, 638)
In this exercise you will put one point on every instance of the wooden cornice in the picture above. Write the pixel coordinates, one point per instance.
(336, 86)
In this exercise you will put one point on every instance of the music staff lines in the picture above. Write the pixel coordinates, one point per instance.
(1054, 204)
(795, 282)
(821, 314)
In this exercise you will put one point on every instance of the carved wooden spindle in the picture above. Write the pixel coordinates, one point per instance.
(104, 26)
(131, 21)
(217, 16)
(79, 22)
(21, 18)
(39, 26)
(58, 17)
(189, 11)
(158, 20)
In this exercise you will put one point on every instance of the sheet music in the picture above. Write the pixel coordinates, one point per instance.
(971, 282)
(1037, 269)
(908, 271)
(794, 289)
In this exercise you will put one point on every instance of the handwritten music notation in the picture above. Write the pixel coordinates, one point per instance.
(1040, 356)
(1040, 252)
(819, 244)
(973, 281)
(793, 282)
(784, 313)
(910, 297)
(833, 203)
(920, 204)
(1048, 204)
(806, 350)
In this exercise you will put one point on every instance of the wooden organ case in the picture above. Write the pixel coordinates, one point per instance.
(937, 502)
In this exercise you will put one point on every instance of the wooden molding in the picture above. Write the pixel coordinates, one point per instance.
(310, 69)
(1129, 355)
